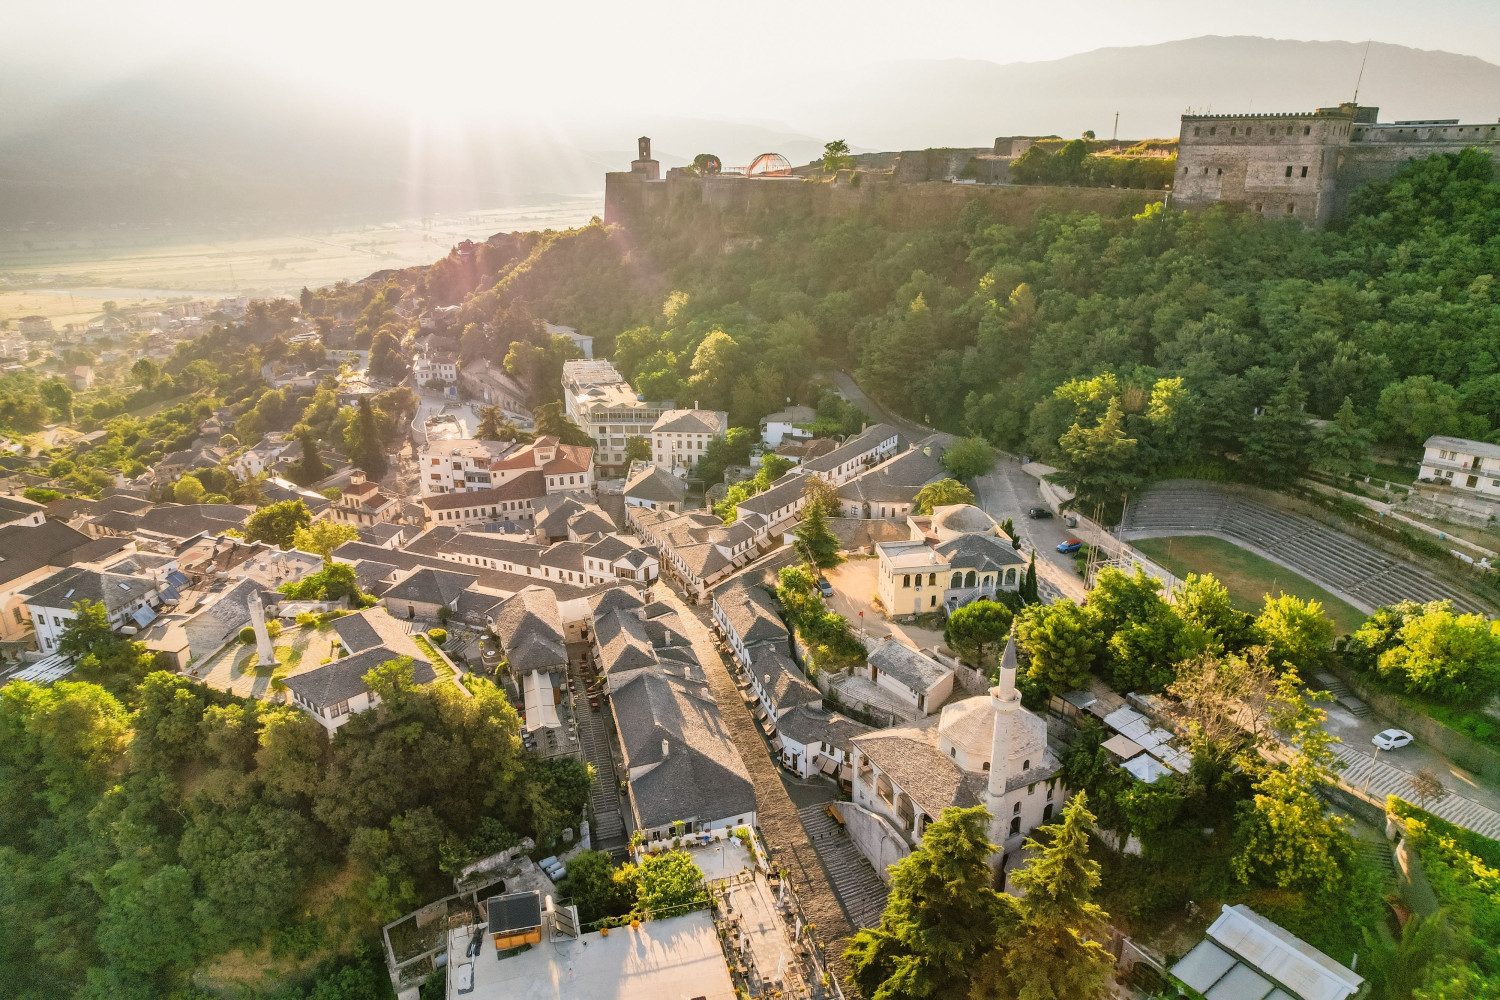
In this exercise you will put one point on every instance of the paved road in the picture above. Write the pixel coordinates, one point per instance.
(781, 828)
(856, 395)
(1010, 491)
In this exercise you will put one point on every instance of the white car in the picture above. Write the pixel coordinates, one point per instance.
(1391, 739)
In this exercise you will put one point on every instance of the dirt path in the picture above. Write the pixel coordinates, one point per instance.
(781, 827)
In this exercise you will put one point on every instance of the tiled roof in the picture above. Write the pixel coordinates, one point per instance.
(910, 757)
(859, 444)
(25, 549)
(751, 612)
(656, 485)
(785, 491)
(526, 486)
(530, 630)
(431, 586)
(808, 724)
(691, 422)
(897, 479)
(778, 675)
(981, 552)
(911, 668)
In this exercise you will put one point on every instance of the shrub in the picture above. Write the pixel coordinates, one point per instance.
(273, 628)
(247, 634)
(438, 636)
(306, 619)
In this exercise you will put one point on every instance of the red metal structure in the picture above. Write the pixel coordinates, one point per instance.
(769, 165)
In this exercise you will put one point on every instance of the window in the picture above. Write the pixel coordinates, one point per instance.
(1030, 789)
(1289, 171)
(1233, 131)
(1197, 129)
(953, 751)
(1291, 209)
(932, 580)
(1304, 171)
(1026, 765)
(1212, 129)
(1288, 130)
(1205, 171)
(1220, 172)
(1258, 206)
(906, 580)
(986, 766)
(1307, 130)
(1016, 809)
(1015, 826)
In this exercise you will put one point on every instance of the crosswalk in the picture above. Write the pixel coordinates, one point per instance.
(858, 888)
(1377, 779)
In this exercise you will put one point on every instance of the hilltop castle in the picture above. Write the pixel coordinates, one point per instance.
(1305, 164)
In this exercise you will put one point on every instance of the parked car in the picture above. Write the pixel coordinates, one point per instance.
(1070, 545)
(825, 588)
(1039, 513)
(1391, 739)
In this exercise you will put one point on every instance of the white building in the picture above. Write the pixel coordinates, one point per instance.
(131, 588)
(453, 465)
(955, 555)
(437, 365)
(985, 750)
(599, 400)
(914, 678)
(582, 341)
(791, 424)
(680, 437)
(336, 690)
(1462, 464)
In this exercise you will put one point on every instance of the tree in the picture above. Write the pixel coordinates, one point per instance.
(941, 919)
(668, 882)
(1028, 589)
(312, 467)
(1278, 447)
(820, 495)
(597, 887)
(1221, 702)
(188, 489)
(836, 156)
(1098, 461)
(1062, 641)
(491, 418)
(550, 419)
(968, 458)
(731, 449)
(334, 582)
(1454, 659)
(145, 373)
(1414, 409)
(943, 493)
(1055, 951)
(1427, 787)
(89, 629)
(637, 449)
(322, 537)
(1344, 445)
(1205, 602)
(386, 361)
(976, 628)
(278, 523)
(1296, 632)
(56, 394)
(362, 439)
(815, 542)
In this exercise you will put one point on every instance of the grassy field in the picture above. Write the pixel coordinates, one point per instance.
(1246, 576)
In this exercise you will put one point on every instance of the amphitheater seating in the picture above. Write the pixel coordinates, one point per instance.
(1327, 557)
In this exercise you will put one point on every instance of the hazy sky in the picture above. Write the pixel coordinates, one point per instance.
(672, 56)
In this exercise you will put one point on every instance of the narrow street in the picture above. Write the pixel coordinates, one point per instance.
(781, 827)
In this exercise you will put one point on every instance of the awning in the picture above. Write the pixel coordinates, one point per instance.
(541, 712)
(1123, 747)
(143, 616)
(829, 767)
(776, 744)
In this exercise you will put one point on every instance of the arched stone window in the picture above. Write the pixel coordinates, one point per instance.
(1015, 810)
(958, 580)
(1026, 765)
(1047, 813)
(1015, 826)
(969, 579)
(1010, 577)
(884, 789)
(932, 580)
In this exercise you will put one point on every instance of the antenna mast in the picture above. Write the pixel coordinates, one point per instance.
(1115, 137)
(1361, 78)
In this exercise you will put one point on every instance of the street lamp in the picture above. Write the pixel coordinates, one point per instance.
(1373, 758)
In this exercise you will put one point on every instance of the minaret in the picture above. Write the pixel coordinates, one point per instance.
(1005, 700)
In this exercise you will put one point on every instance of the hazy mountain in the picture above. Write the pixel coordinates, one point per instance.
(196, 144)
(964, 102)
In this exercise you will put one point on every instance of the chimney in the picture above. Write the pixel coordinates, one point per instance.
(666, 749)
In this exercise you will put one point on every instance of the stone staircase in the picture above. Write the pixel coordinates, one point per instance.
(859, 889)
(608, 831)
(1342, 694)
(1324, 555)
(1363, 772)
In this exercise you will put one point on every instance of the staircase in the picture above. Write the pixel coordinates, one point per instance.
(859, 889)
(608, 831)
(1343, 695)
(1381, 857)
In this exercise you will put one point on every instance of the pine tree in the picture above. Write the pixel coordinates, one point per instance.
(816, 543)
(1028, 582)
(365, 450)
(940, 919)
(312, 467)
(1054, 950)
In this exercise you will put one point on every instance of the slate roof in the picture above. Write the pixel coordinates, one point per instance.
(896, 480)
(910, 757)
(656, 485)
(529, 626)
(786, 490)
(809, 724)
(786, 685)
(981, 552)
(431, 586)
(186, 520)
(344, 678)
(25, 549)
(866, 440)
(356, 552)
(701, 776)
(691, 422)
(750, 612)
(66, 587)
(911, 668)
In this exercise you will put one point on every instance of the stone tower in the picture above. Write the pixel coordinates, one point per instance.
(263, 651)
(643, 164)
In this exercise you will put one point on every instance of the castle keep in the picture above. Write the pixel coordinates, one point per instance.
(1305, 165)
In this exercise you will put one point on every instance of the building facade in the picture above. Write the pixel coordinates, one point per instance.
(598, 399)
(1462, 464)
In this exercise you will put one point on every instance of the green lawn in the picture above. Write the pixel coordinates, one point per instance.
(1246, 576)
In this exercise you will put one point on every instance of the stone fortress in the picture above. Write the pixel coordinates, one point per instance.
(1305, 164)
